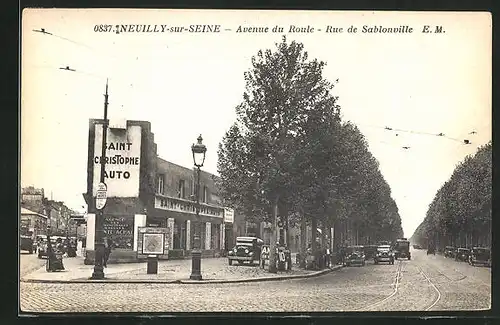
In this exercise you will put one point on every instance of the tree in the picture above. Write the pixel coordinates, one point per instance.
(460, 213)
(283, 87)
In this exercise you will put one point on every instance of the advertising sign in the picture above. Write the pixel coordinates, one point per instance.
(153, 241)
(101, 197)
(122, 161)
(120, 230)
(228, 215)
(153, 244)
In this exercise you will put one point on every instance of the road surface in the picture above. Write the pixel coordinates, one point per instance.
(423, 283)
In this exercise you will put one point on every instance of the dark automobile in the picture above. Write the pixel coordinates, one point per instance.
(354, 256)
(416, 246)
(247, 249)
(370, 251)
(384, 254)
(402, 249)
(27, 244)
(450, 251)
(480, 255)
(462, 254)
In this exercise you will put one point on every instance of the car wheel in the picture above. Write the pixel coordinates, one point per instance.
(363, 264)
(230, 261)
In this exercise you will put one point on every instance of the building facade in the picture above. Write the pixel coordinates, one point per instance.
(146, 190)
(57, 213)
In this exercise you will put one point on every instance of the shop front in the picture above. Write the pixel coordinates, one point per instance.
(179, 215)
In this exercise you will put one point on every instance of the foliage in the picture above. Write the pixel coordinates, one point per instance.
(290, 145)
(462, 205)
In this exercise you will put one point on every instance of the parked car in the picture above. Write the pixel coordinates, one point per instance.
(42, 245)
(462, 254)
(247, 249)
(370, 251)
(480, 255)
(416, 246)
(27, 244)
(355, 256)
(384, 254)
(450, 251)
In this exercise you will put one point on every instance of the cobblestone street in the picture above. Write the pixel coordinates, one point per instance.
(423, 283)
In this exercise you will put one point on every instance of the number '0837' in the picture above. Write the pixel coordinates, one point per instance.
(103, 28)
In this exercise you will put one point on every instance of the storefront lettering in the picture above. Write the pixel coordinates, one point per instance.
(119, 230)
(117, 159)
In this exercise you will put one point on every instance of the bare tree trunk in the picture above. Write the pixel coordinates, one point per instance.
(303, 240)
(314, 230)
(272, 244)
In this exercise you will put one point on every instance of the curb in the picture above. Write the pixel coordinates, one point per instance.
(154, 281)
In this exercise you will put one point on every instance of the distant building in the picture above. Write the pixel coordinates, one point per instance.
(57, 213)
(33, 198)
(32, 223)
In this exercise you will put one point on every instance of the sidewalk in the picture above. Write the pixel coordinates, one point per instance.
(214, 270)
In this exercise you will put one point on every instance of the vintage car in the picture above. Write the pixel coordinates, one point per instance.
(42, 245)
(462, 254)
(480, 255)
(384, 254)
(247, 249)
(450, 251)
(354, 255)
(402, 248)
(27, 244)
(370, 251)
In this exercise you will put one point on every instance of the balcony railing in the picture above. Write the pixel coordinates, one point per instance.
(186, 206)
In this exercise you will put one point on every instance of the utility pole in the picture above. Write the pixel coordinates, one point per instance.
(99, 223)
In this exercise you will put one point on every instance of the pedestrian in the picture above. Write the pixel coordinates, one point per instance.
(108, 245)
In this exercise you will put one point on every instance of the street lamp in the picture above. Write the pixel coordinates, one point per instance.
(199, 151)
(99, 222)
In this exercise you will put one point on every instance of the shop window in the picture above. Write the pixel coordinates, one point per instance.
(182, 187)
(160, 185)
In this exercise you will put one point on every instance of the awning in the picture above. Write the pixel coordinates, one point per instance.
(26, 212)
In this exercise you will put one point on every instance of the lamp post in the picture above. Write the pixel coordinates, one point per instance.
(99, 223)
(199, 151)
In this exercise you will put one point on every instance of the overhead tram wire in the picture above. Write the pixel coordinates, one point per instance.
(88, 47)
(134, 86)
(442, 135)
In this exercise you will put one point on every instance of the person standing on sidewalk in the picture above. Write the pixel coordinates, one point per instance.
(108, 245)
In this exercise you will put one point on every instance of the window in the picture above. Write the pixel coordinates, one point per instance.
(181, 191)
(205, 194)
(160, 187)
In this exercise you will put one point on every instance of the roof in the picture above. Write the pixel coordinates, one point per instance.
(25, 211)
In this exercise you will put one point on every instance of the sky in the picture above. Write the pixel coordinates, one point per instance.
(188, 84)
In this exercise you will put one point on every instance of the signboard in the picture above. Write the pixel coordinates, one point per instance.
(264, 254)
(153, 244)
(120, 230)
(153, 241)
(228, 215)
(122, 161)
(101, 196)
